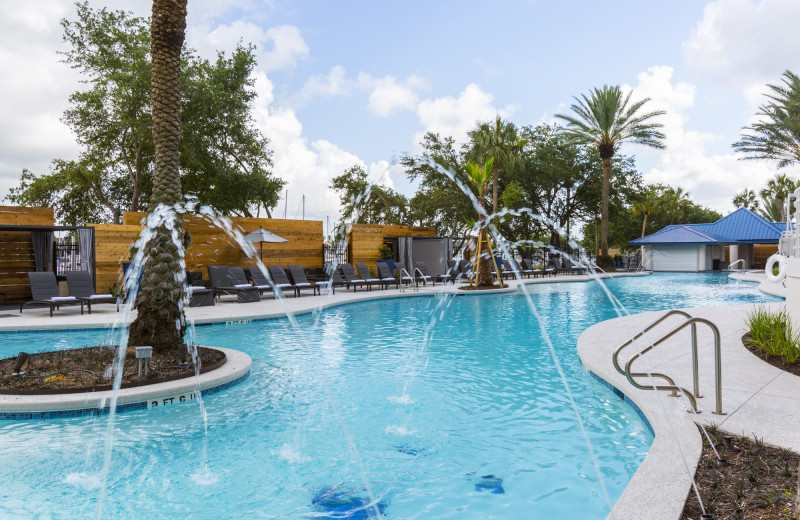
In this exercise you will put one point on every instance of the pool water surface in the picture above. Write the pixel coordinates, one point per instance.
(436, 407)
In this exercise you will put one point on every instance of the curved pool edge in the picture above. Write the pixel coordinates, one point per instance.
(229, 312)
(659, 487)
(54, 406)
(764, 285)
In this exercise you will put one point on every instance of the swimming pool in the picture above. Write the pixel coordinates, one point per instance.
(445, 407)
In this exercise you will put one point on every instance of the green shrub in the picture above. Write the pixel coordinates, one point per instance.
(386, 252)
(771, 333)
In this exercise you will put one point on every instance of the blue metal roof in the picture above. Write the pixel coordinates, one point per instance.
(740, 227)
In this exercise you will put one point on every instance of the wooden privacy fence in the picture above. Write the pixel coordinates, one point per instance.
(363, 240)
(210, 244)
(16, 247)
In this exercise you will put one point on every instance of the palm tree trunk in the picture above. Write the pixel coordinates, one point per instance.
(644, 223)
(604, 206)
(160, 321)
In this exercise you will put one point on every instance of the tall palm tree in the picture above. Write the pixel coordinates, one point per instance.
(776, 136)
(160, 321)
(479, 176)
(606, 119)
(779, 188)
(649, 204)
(747, 198)
(499, 141)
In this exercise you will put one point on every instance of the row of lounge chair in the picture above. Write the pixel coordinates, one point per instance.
(44, 291)
(224, 280)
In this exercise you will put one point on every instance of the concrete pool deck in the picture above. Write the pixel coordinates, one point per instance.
(758, 399)
(105, 315)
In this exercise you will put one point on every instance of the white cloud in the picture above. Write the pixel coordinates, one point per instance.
(34, 93)
(745, 43)
(289, 46)
(711, 179)
(307, 167)
(455, 116)
(333, 84)
(387, 95)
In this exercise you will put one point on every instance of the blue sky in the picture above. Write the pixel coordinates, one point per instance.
(343, 83)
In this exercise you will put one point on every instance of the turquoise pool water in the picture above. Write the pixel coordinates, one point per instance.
(442, 407)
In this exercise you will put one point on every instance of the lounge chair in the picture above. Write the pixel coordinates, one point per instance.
(81, 286)
(334, 275)
(222, 282)
(574, 268)
(259, 279)
(351, 278)
(44, 289)
(510, 270)
(281, 280)
(424, 274)
(403, 273)
(301, 280)
(463, 271)
(528, 266)
(364, 274)
(385, 274)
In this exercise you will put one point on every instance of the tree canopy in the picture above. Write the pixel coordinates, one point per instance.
(225, 161)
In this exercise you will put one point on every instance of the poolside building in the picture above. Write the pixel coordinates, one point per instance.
(741, 235)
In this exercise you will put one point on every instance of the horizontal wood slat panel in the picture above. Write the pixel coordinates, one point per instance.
(25, 216)
(365, 239)
(210, 245)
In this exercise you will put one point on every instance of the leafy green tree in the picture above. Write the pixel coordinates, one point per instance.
(160, 321)
(499, 141)
(747, 198)
(606, 119)
(224, 159)
(439, 201)
(776, 135)
(366, 203)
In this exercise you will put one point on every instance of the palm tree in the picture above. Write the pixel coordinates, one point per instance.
(779, 188)
(606, 119)
(776, 136)
(479, 176)
(160, 321)
(747, 198)
(647, 206)
(771, 209)
(675, 200)
(500, 142)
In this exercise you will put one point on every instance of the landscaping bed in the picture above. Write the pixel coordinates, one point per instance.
(89, 369)
(776, 361)
(754, 481)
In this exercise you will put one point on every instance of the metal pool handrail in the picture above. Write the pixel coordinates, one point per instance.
(717, 363)
(615, 357)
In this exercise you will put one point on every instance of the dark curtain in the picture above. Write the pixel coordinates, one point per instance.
(43, 249)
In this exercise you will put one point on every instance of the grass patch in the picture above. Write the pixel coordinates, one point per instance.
(772, 333)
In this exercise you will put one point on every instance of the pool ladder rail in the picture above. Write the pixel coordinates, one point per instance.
(671, 386)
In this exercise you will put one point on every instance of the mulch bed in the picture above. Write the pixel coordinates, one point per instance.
(87, 369)
(756, 482)
(776, 361)
(471, 288)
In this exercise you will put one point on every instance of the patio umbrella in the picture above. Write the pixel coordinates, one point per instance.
(261, 235)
